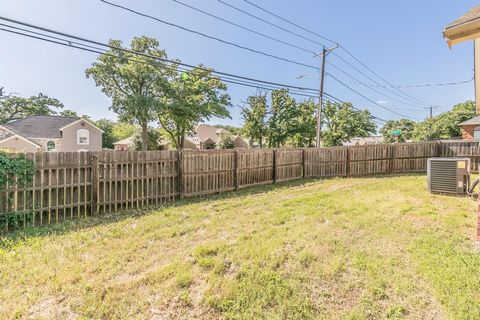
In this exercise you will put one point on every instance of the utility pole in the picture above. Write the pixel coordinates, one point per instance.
(324, 54)
(431, 110)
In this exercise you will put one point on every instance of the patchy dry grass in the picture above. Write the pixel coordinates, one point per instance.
(366, 248)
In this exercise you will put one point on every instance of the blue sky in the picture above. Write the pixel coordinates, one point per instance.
(401, 40)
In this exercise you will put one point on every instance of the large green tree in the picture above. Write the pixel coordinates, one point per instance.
(445, 125)
(133, 81)
(255, 118)
(341, 123)
(305, 125)
(192, 97)
(281, 124)
(16, 108)
(404, 126)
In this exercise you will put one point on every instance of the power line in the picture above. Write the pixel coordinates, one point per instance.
(375, 81)
(209, 36)
(269, 23)
(368, 99)
(429, 84)
(380, 77)
(142, 54)
(290, 22)
(370, 87)
(240, 80)
(242, 27)
(416, 100)
(281, 41)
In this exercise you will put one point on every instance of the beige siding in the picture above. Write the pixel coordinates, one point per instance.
(70, 142)
(43, 143)
(19, 145)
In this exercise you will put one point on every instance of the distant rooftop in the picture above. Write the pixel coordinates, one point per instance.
(473, 121)
(40, 126)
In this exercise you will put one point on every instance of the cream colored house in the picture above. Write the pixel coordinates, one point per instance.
(208, 137)
(50, 133)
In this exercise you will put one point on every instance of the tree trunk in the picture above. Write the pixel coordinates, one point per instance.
(260, 142)
(144, 136)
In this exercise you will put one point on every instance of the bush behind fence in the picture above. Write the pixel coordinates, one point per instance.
(70, 186)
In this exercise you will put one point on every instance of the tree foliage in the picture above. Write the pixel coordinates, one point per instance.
(305, 123)
(154, 140)
(445, 125)
(191, 97)
(226, 141)
(16, 108)
(255, 118)
(342, 123)
(283, 114)
(405, 126)
(14, 167)
(132, 81)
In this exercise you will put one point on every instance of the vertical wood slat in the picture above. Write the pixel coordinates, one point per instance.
(75, 185)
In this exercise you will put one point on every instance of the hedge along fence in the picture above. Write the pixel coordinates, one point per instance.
(69, 186)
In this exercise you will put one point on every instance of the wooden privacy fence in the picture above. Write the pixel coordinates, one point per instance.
(75, 185)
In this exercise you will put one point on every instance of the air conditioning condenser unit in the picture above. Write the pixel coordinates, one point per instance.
(448, 175)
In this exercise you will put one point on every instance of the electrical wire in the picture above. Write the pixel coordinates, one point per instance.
(405, 95)
(93, 49)
(368, 99)
(243, 27)
(270, 55)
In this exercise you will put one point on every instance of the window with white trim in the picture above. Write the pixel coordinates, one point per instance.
(50, 146)
(83, 137)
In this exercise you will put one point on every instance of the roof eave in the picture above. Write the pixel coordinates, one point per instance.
(462, 32)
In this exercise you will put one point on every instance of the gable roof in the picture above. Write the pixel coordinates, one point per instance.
(40, 126)
(473, 121)
(127, 141)
(466, 27)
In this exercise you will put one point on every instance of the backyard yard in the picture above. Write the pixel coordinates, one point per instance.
(344, 248)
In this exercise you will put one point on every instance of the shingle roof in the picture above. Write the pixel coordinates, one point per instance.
(471, 15)
(40, 126)
(474, 120)
(127, 141)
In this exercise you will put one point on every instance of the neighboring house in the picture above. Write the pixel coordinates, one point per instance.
(207, 137)
(124, 145)
(50, 133)
(364, 141)
(471, 128)
(129, 144)
(467, 28)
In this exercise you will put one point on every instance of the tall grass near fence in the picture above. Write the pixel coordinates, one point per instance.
(68, 186)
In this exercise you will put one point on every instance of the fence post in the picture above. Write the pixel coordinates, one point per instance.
(275, 165)
(392, 159)
(180, 174)
(347, 162)
(303, 162)
(235, 170)
(95, 174)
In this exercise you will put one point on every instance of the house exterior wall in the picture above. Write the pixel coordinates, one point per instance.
(468, 131)
(43, 143)
(18, 145)
(70, 142)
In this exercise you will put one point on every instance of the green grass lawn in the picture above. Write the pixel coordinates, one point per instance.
(356, 248)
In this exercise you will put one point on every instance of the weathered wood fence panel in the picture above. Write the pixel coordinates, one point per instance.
(128, 180)
(288, 164)
(61, 189)
(254, 167)
(74, 185)
(469, 149)
(325, 162)
(374, 159)
(412, 157)
(207, 172)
